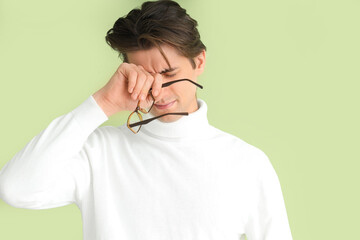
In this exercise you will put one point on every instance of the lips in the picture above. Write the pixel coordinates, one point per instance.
(164, 106)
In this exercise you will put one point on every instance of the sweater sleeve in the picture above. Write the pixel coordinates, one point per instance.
(267, 217)
(53, 167)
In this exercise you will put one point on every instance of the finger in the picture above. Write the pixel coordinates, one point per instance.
(146, 87)
(132, 76)
(141, 78)
(145, 90)
(128, 70)
(156, 87)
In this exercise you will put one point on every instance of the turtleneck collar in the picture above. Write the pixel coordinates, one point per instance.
(194, 125)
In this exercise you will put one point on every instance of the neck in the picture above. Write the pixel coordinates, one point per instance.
(194, 125)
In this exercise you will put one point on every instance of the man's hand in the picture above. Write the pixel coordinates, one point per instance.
(129, 84)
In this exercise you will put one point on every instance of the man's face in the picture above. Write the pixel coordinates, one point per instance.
(180, 96)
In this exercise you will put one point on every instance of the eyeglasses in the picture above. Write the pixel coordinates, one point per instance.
(135, 120)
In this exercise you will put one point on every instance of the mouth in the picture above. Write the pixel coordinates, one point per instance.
(164, 106)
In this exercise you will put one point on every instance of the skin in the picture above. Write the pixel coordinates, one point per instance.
(146, 69)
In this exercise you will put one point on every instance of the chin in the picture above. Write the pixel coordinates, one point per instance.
(167, 118)
(170, 118)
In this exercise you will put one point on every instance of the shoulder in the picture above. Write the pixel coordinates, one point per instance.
(226, 138)
(239, 142)
(249, 154)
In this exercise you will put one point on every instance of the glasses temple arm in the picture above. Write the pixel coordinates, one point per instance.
(151, 119)
(184, 79)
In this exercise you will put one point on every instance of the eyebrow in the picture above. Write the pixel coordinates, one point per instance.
(168, 70)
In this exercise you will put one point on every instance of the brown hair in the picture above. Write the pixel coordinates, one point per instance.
(156, 22)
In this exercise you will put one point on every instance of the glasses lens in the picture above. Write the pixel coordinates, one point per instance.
(147, 104)
(134, 118)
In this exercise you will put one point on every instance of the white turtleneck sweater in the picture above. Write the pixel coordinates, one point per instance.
(184, 180)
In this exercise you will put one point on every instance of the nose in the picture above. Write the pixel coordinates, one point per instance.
(164, 96)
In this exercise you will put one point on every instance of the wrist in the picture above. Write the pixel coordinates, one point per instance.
(104, 104)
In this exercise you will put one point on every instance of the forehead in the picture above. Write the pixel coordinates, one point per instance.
(152, 60)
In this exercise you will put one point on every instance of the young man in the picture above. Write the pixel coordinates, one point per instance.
(175, 177)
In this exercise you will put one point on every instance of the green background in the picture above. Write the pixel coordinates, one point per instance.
(281, 75)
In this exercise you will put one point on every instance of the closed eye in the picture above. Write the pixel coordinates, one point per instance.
(171, 75)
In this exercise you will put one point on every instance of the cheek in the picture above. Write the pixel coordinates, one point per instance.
(188, 92)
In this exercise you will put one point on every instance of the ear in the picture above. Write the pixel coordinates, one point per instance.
(200, 62)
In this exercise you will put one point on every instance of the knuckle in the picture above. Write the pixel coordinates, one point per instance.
(150, 79)
(137, 87)
(148, 83)
(133, 73)
(132, 77)
(140, 82)
(124, 66)
(141, 78)
(144, 92)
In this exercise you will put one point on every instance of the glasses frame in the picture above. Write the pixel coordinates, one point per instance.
(144, 111)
